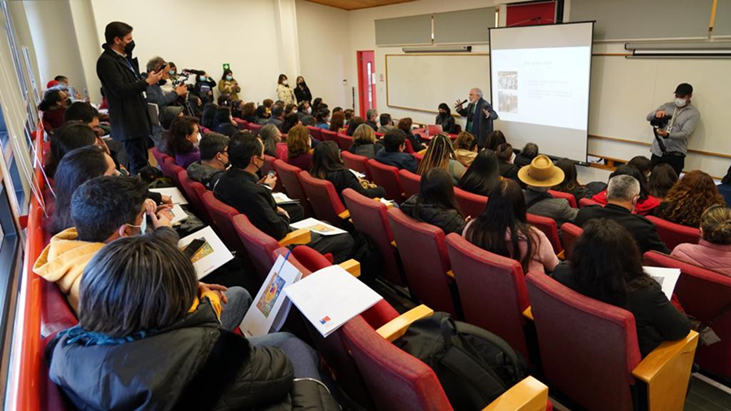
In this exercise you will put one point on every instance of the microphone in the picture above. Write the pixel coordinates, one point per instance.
(463, 101)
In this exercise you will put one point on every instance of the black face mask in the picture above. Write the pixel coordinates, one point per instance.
(161, 82)
(129, 47)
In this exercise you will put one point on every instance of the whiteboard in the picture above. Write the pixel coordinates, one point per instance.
(422, 81)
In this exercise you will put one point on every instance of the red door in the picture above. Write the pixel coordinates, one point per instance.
(366, 81)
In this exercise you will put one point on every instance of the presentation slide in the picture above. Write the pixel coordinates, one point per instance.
(540, 78)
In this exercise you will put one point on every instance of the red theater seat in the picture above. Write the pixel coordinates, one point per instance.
(324, 200)
(356, 163)
(673, 234)
(388, 178)
(410, 183)
(471, 205)
(289, 176)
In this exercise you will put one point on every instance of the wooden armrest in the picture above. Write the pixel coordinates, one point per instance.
(345, 215)
(528, 313)
(562, 255)
(527, 395)
(301, 236)
(450, 273)
(351, 266)
(666, 371)
(388, 205)
(395, 328)
(393, 244)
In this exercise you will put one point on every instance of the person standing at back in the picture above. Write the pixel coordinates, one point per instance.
(124, 89)
(480, 116)
(302, 91)
(284, 92)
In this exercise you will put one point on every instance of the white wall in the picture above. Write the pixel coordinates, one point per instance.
(88, 44)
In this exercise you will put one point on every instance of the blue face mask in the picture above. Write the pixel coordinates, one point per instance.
(229, 77)
(202, 78)
(171, 72)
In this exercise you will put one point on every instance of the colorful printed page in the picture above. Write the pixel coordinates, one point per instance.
(211, 255)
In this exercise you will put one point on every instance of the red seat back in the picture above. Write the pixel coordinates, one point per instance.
(489, 283)
(369, 218)
(344, 141)
(315, 132)
(426, 262)
(171, 169)
(567, 196)
(328, 135)
(471, 205)
(388, 178)
(549, 228)
(569, 234)
(356, 162)
(673, 234)
(586, 202)
(194, 193)
(222, 215)
(409, 148)
(396, 380)
(243, 124)
(258, 245)
(254, 128)
(410, 183)
(704, 294)
(418, 157)
(159, 156)
(588, 348)
(269, 166)
(323, 198)
(56, 313)
(289, 175)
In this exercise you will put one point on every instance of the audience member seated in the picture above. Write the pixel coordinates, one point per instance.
(386, 123)
(349, 114)
(465, 148)
(714, 248)
(371, 118)
(445, 119)
(289, 122)
(196, 105)
(290, 109)
(155, 93)
(164, 339)
(203, 88)
(277, 117)
(53, 106)
(304, 109)
(646, 204)
(364, 142)
(440, 154)
(539, 176)
(529, 152)
(570, 183)
(662, 179)
(338, 109)
(209, 115)
(327, 165)
(262, 115)
(435, 204)
(272, 139)
(321, 119)
(689, 197)
(214, 160)
(643, 165)
(182, 140)
(239, 187)
(298, 148)
(353, 125)
(503, 229)
(495, 139)
(248, 113)
(505, 158)
(70, 136)
(483, 174)
(623, 194)
(607, 265)
(87, 114)
(405, 125)
(394, 143)
(223, 122)
(337, 122)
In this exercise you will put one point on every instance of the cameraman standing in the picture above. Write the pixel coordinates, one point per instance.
(673, 123)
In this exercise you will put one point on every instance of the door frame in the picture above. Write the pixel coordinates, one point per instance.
(362, 106)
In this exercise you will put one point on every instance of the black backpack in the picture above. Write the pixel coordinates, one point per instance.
(474, 366)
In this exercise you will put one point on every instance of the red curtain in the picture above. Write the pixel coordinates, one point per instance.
(531, 14)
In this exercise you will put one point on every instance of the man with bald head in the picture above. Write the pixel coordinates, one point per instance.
(480, 116)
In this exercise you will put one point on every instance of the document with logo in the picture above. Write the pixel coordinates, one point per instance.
(666, 277)
(206, 251)
(175, 194)
(331, 297)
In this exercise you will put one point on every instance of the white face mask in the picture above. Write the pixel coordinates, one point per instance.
(285, 82)
(680, 102)
(197, 139)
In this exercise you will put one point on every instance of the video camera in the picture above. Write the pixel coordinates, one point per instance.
(660, 122)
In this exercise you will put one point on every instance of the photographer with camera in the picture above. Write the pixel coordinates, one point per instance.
(673, 123)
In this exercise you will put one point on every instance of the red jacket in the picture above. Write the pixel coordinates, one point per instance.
(642, 208)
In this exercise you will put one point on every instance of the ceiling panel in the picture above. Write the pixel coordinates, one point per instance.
(357, 4)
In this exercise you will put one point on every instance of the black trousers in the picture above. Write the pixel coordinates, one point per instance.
(677, 162)
(136, 150)
(341, 246)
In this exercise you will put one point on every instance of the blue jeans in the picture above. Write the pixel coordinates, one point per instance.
(239, 301)
(305, 360)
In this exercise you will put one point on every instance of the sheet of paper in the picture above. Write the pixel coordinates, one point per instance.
(175, 194)
(357, 174)
(178, 214)
(282, 198)
(666, 277)
(317, 226)
(271, 306)
(331, 297)
(211, 255)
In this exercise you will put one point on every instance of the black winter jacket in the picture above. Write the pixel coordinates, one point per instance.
(450, 221)
(343, 179)
(191, 365)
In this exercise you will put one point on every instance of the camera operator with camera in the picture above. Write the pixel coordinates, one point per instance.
(673, 123)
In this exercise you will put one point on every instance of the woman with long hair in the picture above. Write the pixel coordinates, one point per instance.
(70, 136)
(483, 175)
(53, 106)
(503, 229)
(713, 251)
(229, 85)
(646, 203)
(570, 183)
(495, 139)
(337, 122)
(298, 148)
(353, 125)
(662, 178)
(321, 118)
(223, 123)
(435, 204)
(606, 265)
(328, 165)
(445, 119)
(440, 154)
(289, 122)
(182, 140)
(271, 137)
(284, 92)
(465, 148)
(302, 91)
(209, 115)
(689, 197)
(364, 142)
(405, 125)
(504, 153)
(248, 112)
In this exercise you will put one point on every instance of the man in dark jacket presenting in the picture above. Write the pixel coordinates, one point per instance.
(124, 89)
(480, 116)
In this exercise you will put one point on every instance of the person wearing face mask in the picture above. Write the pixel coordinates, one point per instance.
(445, 119)
(161, 98)
(214, 160)
(182, 140)
(124, 89)
(203, 88)
(229, 85)
(671, 141)
(284, 92)
(302, 92)
(480, 116)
